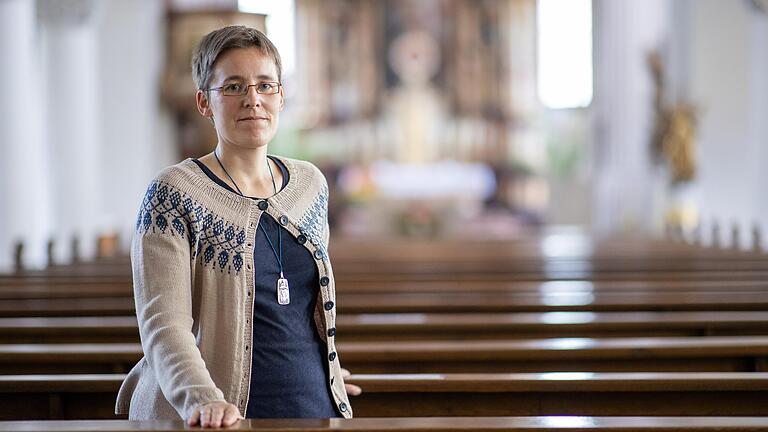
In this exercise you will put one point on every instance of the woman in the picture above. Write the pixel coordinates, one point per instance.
(235, 295)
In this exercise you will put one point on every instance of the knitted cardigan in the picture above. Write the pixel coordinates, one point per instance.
(192, 259)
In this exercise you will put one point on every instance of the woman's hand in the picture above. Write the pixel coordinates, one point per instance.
(351, 389)
(215, 415)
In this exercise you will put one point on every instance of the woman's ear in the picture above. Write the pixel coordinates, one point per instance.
(203, 107)
(282, 98)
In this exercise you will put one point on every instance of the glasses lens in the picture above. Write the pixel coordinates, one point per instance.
(233, 89)
(267, 88)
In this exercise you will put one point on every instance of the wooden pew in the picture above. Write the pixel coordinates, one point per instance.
(713, 354)
(464, 302)
(458, 302)
(422, 424)
(50, 397)
(372, 327)
(568, 393)
(425, 272)
(548, 287)
(369, 327)
(69, 330)
(532, 249)
(69, 358)
(365, 275)
(734, 353)
(562, 393)
(487, 260)
(68, 307)
(77, 291)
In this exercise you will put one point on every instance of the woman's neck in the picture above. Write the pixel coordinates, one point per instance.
(248, 168)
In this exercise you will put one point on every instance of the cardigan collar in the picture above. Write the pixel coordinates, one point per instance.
(290, 200)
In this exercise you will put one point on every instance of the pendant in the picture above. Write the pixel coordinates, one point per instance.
(283, 294)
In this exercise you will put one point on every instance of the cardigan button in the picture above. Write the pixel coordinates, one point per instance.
(318, 254)
(332, 332)
(263, 205)
(328, 305)
(332, 356)
(324, 281)
(301, 239)
(343, 407)
(283, 220)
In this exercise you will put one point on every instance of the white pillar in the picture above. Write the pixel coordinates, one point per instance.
(624, 32)
(24, 197)
(137, 133)
(73, 115)
(759, 111)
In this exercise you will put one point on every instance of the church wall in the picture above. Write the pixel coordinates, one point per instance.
(727, 83)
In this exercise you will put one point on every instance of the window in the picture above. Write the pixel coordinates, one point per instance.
(280, 27)
(564, 53)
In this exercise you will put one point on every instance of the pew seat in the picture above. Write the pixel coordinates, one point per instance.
(43, 397)
(713, 354)
(420, 424)
(62, 288)
(415, 326)
(562, 393)
(429, 302)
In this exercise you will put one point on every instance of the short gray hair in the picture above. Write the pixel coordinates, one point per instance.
(219, 41)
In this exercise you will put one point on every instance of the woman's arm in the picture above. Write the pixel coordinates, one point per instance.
(160, 256)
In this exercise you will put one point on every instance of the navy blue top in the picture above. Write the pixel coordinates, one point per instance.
(289, 369)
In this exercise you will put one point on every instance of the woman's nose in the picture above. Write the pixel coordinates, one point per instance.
(251, 97)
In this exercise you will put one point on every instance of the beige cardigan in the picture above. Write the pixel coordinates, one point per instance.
(192, 258)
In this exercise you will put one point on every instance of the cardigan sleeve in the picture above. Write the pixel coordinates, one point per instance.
(161, 261)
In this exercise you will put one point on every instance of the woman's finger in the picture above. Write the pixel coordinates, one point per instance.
(195, 418)
(345, 373)
(216, 415)
(231, 416)
(205, 416)
(353, 390)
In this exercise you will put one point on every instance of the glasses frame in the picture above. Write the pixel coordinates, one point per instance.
(247, 87)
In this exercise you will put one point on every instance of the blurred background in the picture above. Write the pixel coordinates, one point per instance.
(431, 119)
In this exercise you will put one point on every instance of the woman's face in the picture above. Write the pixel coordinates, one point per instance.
(251, 120)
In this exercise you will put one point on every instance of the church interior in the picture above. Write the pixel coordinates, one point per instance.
(541, 214)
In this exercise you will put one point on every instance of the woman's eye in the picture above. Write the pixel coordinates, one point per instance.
(265, 87)
(233, 88)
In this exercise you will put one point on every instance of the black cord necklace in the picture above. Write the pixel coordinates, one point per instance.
(283, 291)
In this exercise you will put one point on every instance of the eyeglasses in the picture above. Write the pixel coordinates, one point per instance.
(237, 89)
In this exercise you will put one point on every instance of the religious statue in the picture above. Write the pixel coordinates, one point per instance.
(675, 128)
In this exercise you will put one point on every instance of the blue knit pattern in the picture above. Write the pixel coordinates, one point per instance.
(314, 219)
(213, 241)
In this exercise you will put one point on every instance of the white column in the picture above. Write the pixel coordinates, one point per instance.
(137, 133)
(23, 180)
(624, 32)
(73, 116)
(759, 111)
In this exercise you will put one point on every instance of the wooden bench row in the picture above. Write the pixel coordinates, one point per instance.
(56, 288)
(374, 273)
(418, 395)
(724, 354)
(421, 424)
(432, 302)
(416, 326)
